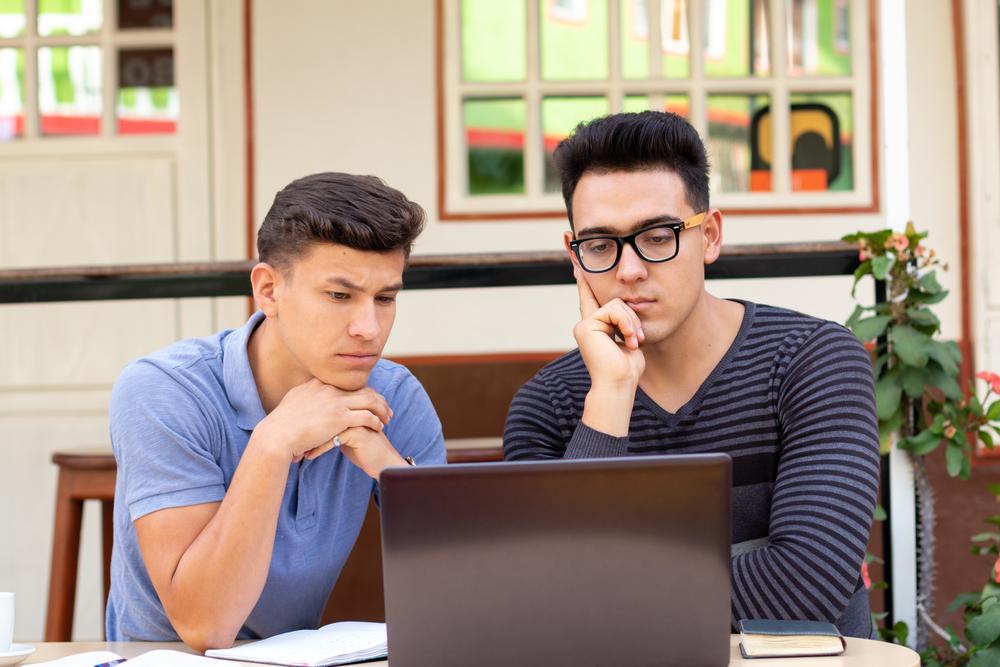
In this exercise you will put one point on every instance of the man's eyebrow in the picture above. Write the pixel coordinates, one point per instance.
(347, 284)
(610, 231)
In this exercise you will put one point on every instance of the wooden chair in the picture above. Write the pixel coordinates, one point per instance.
(83, 475)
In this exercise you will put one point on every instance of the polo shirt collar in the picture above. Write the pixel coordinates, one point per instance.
(241, 388)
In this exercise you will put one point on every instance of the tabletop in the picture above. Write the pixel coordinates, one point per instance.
(859, 653)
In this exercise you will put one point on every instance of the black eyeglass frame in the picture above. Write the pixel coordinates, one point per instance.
(620, 241)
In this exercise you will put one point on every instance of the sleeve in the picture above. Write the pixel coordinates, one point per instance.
(825, 488)
(415, 429)
(535, 429)
(162, 440)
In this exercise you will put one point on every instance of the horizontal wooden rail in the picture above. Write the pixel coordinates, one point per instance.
(201, 279)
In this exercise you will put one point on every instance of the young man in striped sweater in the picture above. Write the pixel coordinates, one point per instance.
(664, 367)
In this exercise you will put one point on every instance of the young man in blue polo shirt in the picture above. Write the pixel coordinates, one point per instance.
(246, 460)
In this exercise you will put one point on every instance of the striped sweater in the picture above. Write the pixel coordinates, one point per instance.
(792, 403)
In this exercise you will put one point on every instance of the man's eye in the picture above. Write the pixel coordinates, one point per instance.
(597, 247)
(339, 296)
(385, 299)
(658, 238)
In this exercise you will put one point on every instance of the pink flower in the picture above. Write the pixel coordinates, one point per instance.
(996, 571)
(865, 577)
(919, 250)
(992, 378)
(863, 255)
(900, 242)
(950, 432)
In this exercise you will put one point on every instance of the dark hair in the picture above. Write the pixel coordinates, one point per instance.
(635, 142)
(360, 212)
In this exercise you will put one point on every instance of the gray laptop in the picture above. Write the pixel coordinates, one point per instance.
(598, 562)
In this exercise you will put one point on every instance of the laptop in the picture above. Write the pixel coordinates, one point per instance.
(594, 562)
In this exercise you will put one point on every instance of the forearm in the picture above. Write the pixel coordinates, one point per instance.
(220, 576)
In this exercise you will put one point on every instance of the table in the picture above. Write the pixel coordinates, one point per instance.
(860, 653)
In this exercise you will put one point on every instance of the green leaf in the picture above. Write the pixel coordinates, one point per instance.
(887, 395)
(948, 356)
(938, 377)
(863, 270)
(927, 299)
(923, 443)
(881, 266)
(924, 318)
(880, 586)
(954, 456)
(911, 346)
(901, 632)
(880, 514)
(913, 381)
(879, 616)
(989, 657)
(871, 328)
(963, 600)
(987, 439)
(929, 284)
(886, 429)
(855, 316)
(993, 412)
(982, 537)
(879, 365)
(985, 628)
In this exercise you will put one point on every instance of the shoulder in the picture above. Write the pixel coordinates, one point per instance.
(393, 380)
(188, 371)
(798, 333)
(566, 378)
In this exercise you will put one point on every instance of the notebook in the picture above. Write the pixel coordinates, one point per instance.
(335, 644)
(765, 638)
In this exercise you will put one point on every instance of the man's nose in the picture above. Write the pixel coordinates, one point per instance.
(364, 324)
(631, 267)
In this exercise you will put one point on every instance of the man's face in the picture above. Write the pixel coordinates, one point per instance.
(334, 309)
(663, 295)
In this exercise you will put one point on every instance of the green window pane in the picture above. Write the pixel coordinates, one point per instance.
(819, 37)
(11, 94)
(494, 141)
(69, 17)
(574, 39)
(678, 104)
(740, 162)
(147, 97)
(736, 38)
(69, 90)
(12, 18)
(635, 103)
(634, 39)
(822, 142)
(494, 45)
(674, 38)
(560, 115)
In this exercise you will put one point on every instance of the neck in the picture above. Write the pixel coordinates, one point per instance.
(691, 352)
(275, 371)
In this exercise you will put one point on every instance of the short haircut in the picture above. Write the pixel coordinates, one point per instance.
(360, 212)
(635, 142)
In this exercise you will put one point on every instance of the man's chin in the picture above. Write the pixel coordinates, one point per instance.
(346, 380)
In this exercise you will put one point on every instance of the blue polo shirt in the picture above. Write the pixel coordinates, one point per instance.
(180, 421)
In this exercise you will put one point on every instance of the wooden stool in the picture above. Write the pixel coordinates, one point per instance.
(83, 475)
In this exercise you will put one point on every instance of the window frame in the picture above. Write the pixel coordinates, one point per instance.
(110, 40)
(455, 205)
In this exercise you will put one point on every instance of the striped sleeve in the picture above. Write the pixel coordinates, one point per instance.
(825, 487)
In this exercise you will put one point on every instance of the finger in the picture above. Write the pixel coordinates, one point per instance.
(370, 401)
(588, 302)
(318, 451)
(363, 418)
(619, 316)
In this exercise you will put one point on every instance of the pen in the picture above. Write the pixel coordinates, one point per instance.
(112, 663)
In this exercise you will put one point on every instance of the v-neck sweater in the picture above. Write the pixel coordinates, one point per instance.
(792, 403)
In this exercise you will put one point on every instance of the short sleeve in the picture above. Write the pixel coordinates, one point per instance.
(415, 429)
(163, 437)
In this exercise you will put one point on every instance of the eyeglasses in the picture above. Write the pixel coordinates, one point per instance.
(659, 243)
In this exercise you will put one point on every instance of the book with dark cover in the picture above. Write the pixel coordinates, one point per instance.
(766, 638)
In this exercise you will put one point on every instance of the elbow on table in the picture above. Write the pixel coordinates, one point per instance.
(204, 636)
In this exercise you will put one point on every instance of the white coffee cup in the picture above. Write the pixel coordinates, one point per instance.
(6, 621)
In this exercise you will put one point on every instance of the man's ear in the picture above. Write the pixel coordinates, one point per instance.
(567, 237)
(267, 282)
(711, 234)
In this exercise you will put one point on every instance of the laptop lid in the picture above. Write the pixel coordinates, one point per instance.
(595, 562)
